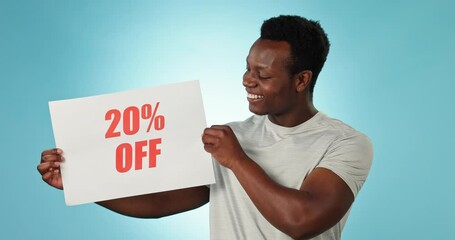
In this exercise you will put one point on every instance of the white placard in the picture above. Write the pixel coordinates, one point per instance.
(132, 143)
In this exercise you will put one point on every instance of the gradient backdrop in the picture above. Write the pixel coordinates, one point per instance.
(389, 74)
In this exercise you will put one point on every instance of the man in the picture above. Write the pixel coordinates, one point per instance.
(289, 171)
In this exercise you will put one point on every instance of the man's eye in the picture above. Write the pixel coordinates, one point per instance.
(263, 77)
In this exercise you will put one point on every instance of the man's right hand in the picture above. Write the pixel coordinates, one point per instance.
(49, 167)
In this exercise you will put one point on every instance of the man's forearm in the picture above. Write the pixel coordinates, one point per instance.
(161, 204)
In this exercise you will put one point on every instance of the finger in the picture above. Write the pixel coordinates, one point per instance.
(46, 166)
(51, 173)
(213, 132)
(43, 167)
(52, 151)
(210, 139)
(50, 178)
(49, 158)
(209, 148)
(223, 127)
(47, 176)
(220, 129)
(52, 158)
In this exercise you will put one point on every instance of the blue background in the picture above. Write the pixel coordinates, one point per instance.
(389, 74)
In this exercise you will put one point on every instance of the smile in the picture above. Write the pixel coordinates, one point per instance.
(254, 96)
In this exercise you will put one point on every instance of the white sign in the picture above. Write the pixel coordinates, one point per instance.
(132, 143)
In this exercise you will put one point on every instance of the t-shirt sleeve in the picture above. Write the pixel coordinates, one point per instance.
(350, 157)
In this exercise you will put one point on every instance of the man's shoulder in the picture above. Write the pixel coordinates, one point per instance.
(339, 127)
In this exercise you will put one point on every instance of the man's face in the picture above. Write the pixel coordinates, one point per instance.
(270, 87)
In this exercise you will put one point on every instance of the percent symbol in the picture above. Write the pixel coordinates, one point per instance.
(131, 119)
(158, 122)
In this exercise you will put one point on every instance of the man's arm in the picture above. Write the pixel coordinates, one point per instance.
(144, 206)
(323, 199)
(321, 202)
(161, 204)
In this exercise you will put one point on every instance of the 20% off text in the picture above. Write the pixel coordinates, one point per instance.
(130, 120)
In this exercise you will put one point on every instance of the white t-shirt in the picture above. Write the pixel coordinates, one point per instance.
(287, 155)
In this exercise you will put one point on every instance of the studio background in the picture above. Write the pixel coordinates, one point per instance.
(388, 74)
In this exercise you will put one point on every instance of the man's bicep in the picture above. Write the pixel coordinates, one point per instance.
(330, 197)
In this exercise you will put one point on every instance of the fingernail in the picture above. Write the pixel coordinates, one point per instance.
(56, 164)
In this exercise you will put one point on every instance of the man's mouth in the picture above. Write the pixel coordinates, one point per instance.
(254, 96)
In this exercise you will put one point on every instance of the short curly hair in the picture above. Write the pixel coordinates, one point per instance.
(308, 41)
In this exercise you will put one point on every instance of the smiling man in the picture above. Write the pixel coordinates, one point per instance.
(288, 166)
(288, 171)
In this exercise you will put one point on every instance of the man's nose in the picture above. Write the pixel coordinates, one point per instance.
(249, 80)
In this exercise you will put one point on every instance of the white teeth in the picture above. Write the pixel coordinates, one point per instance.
(254, 96)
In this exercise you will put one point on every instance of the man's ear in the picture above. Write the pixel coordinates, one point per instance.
(303, 80)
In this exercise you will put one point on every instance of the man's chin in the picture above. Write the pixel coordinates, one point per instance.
(257, 112)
